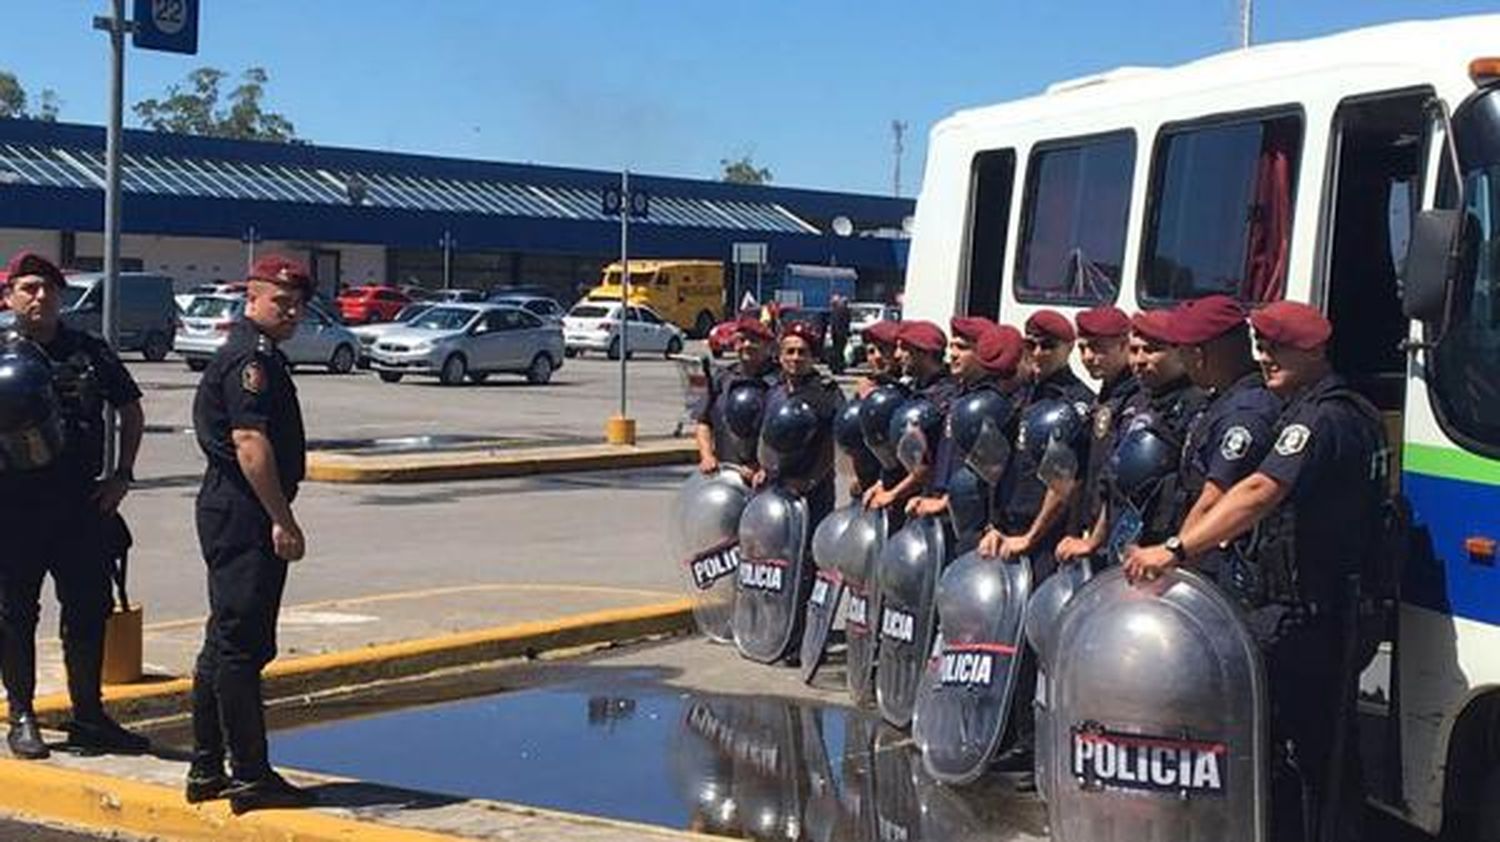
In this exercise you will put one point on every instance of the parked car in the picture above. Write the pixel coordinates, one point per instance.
(372, 303)
(466, 296)
(862, 314)
(368, 333)
(185, 298)
(721, 339)
(320, 338)
(595, 326)
(462, 341)
(147, 313)
(541, 306)
(419, 293)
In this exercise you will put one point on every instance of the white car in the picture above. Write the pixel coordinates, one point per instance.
(320, 338)
(595, 326)
(458, 342)
(862, 314)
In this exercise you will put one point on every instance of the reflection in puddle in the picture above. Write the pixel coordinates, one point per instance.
(734, 766)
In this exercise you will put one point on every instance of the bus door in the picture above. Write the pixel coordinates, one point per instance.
(1373, 193)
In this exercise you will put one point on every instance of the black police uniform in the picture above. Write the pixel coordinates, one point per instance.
(1104, 427)
(727, 447)
(54, 526)
(1329, 449)
(946, 467)
(1019, 495)
(1173, 411)
(246, 385)
(1225, 444)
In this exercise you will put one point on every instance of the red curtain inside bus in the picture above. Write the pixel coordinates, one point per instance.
(1270, 217)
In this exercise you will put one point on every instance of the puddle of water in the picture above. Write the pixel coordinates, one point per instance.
(734, 766)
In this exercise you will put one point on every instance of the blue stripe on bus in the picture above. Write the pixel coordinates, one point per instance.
(1441, 575)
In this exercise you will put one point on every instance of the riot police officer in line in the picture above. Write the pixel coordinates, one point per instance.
(755, 369)
(880, 355)
(1030, 514)
(1313, 502)
(1103, 348)
(249, 425)
(59, 514)
(969, 375)
(1233, 434)
(919, 350)
(1166, 405)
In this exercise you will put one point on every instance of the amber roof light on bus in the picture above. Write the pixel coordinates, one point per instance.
(1484, 70)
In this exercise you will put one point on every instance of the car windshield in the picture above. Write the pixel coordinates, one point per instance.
(443, 318)
(591, 311)
(411, 311)
(72, 294)
(206, 307)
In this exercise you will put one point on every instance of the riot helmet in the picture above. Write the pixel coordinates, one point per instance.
(1142, 459)
(915, 429)
(978, 423)
(1049, 429)
(850, 436)
(787, 434)
(875, 413)
(31, 432)
(744, 405)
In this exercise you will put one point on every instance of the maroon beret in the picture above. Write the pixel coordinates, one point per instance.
(283, 271)
(1206, 319)
(753, 328)
(1103, 322)
(1291, 323)
(1000, 350)
(972, 328)
(24, 263)
(1155, 326)
(1050, 323)
(885, 332)
(923, 336)
(806, 331)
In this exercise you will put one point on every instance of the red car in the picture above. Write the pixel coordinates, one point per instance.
(721, 339)
(372, 303)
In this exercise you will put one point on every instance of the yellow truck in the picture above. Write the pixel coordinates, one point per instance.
(687, 293)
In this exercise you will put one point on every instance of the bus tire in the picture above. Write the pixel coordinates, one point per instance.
(1471, 786)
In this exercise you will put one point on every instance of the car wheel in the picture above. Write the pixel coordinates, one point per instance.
(703, 325)
(455, 369)
(539, 373)
(570, 353)
(614, 349)
(478, 376)
(155, 347)
(343, 360)
(674, 347)
(195, 364)
(389, 376)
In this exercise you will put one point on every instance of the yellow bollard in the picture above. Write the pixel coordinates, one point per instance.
(619, 430)
(122, 646)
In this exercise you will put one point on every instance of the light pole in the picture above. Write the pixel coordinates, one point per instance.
(250, 238)
(448, 242)
(117, 26)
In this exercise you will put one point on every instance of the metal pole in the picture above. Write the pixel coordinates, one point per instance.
(760, 298)
(447, 260)
(1247, 14)
(251, 238)
(624, 285)
(117, 27)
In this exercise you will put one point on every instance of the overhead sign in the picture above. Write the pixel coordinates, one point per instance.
(169, 26)
(613, 201)
(753, 254)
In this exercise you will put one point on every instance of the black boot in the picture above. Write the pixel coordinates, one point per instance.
(206, 781)
(97, 733)
(25, 737)
(269, 791)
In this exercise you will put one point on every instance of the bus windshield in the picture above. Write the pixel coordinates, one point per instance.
(1467, 361)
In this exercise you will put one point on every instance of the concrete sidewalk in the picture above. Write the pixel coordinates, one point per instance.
(490, 461)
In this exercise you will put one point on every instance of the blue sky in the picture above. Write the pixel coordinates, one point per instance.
(808, 89)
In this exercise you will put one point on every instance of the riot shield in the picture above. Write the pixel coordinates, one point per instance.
(768, 582)
(968, 507)
(706, 537)
(965, 697)
(910, 564)
(828, 587)
(1043, 620)
(859, 553)
(1159, 716)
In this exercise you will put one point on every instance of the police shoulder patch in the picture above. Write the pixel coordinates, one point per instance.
(253, 377)
(1293, 439)
(1236, 443)
(1102, 418)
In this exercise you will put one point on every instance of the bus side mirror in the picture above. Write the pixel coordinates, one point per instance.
(1432, 257)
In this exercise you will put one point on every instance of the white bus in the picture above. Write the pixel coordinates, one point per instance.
(1305, 171)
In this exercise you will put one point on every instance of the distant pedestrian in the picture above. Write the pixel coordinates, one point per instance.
(838, 321)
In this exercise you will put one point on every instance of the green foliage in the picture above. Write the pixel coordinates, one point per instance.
(196, 108)
(744, 171)
(13, 100)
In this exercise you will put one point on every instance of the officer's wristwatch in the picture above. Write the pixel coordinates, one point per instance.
(1174, 546)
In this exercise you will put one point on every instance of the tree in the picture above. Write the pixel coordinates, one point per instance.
(13, 100)
(744, 171)
(197, 110)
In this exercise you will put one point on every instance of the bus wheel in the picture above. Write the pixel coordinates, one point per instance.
(1471, 794)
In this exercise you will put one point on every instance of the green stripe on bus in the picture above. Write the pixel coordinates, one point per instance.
(1450, 463)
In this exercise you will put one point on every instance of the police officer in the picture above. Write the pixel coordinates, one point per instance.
(1314, 502)
(919, 351)
(1103, 348)
(755, 370)
(810, 473)
(880, 355)
(1233, 434)
(249, 425)
(56, 517)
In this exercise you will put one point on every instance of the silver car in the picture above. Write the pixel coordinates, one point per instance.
(458, 342)
(372, 331)
(320, 338)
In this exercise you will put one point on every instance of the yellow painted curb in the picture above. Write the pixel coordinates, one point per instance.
(399, 660)
(438, 467)
(101, 802)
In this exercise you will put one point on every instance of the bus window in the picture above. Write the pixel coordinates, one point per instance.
(989, 223)
(1220, 211)
(1073, 227)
